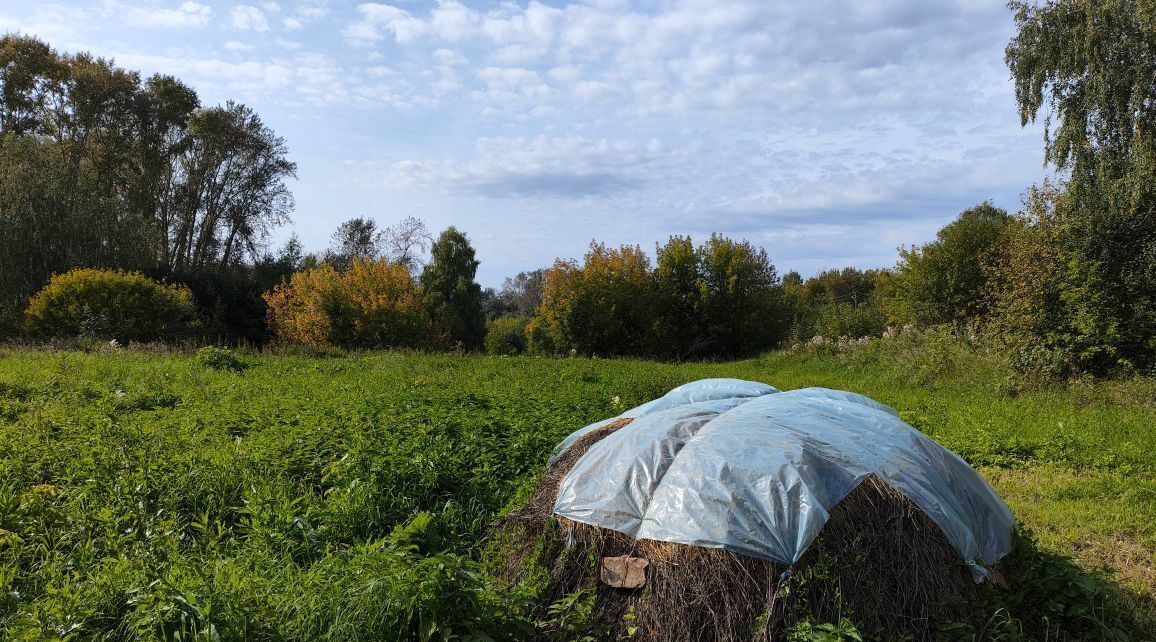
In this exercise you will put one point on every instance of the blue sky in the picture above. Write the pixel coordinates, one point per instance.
(827, 132)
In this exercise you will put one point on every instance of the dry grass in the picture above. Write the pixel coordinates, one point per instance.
(530, 520)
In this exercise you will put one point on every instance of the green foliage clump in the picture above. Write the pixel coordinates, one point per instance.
(943, 282)
(506, 335)
(1054, 312)
(109, 304)
(740, 297)
(453, 297)
(1088, 66)
(835, 303)
(220, 359)
(849, 320)
(603, 306)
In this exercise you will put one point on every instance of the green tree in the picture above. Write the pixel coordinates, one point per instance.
(1088, 66)
(99, 169)
(238, 169)
(943, 282)
(843, 302)
(742, 304)
(357, 238)
(454, 296)
(603, 306)
(679, 327)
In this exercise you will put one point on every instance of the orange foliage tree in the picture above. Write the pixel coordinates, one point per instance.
(373, 304)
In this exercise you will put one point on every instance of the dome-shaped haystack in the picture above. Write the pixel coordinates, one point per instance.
(728, 510)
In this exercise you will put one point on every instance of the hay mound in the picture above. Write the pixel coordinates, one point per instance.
(879, 561)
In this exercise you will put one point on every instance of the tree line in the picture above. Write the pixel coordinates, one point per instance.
(101, 169)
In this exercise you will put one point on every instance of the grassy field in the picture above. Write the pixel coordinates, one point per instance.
(165, 496)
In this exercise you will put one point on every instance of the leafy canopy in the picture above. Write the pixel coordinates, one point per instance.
(453, 295)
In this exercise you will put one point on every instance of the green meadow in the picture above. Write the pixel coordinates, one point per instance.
(212, 496)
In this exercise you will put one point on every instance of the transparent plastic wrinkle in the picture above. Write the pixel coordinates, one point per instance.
(616, 489)
(759, 473)
(693, 392)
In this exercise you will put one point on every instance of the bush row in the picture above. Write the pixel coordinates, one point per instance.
(1005, 277)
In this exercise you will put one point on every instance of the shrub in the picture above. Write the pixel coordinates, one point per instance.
(601, 307)
(506, 335)
(109, 304)
(219, 359)
(846, 320)
(943, 281)
(299, 309)
(1052, 310)
(538, 337)
(372, 304)
(845, 302)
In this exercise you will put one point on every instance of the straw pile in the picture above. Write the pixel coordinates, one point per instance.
(879, 562)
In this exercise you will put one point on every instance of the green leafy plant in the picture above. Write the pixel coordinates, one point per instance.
(107, 304)
(220, 359)
(506, 335)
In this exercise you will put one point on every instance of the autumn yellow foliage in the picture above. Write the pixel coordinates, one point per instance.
(109, 304)
(373, 304)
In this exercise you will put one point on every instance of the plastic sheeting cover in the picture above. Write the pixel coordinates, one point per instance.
(701, 390)
(725, 463)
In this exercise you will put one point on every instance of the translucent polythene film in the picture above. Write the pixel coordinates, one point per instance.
(738, 465)
(701, 390)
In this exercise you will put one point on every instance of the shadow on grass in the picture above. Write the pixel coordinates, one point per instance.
(1050, 597)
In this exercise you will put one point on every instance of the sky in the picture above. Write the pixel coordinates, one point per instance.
(828, 133)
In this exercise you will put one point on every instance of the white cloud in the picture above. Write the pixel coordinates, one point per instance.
(696, 55)
(449, 57)
(54, 23)
(249, 18)
(376, 18)
(303, 14)
(301, 77)
(790, 123)
(453, 21)
(187, 14)
(512, 89)
(591, 89)
(565, 74)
